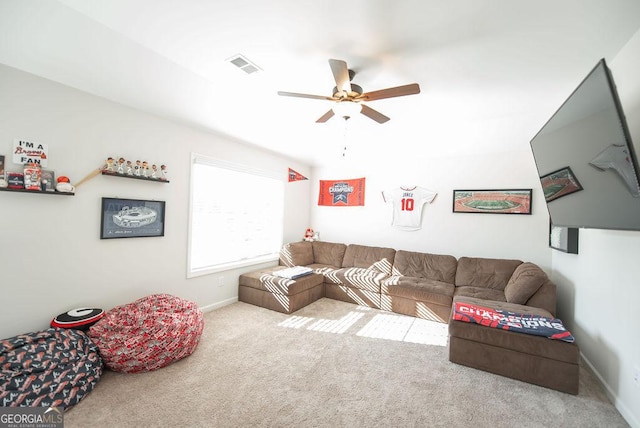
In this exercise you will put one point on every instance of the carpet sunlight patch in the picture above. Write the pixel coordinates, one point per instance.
(406, 329)
(378, 326)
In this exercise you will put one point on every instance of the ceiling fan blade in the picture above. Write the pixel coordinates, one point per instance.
(328, 115)
(398, 91)
(374, 114)
(340, 74)
(313, 97)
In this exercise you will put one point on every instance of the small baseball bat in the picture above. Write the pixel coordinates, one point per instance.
(88, 177)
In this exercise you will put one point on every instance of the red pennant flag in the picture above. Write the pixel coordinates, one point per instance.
(295, 176)
(342, 193)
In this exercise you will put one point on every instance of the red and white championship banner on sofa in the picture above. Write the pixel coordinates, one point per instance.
(342, 193)
(551, 328)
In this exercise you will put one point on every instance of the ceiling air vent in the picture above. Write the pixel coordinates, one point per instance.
(244, 64)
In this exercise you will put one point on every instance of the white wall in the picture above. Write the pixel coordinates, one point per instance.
(599, 288)
(51, 257)
(523, 237)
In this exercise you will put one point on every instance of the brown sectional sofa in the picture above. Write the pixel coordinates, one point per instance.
(425, 286)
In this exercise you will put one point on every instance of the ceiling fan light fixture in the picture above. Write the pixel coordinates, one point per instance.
(347, 96)
(346, 108)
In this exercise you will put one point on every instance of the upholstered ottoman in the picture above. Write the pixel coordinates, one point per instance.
(262, 288)
(534, 359)
(148, 334)
(54, 367)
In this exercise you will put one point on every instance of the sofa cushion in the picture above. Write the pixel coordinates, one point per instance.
(488, 273)
(481, 293)
(363, 256)
(525, 281)
(423, 265)
(329, 274)
(322, 269)
(354, 277)
(420, 289)
(328, 253)
(265, 280)
(545, 297)
(296, 254)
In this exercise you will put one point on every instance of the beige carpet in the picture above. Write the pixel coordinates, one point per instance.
(331, 364)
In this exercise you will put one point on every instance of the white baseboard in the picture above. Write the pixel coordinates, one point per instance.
(626, 413)
(218, 305)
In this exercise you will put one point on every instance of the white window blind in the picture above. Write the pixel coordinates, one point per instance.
(236, 215)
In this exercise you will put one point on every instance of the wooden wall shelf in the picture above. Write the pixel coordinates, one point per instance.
(37, 192)
(134, 177)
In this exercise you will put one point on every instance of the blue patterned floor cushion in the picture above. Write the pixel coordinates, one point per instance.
(55, 367)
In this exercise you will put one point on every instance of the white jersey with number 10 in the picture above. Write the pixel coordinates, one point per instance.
(407, 203)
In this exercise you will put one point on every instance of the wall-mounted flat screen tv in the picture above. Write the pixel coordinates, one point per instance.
(586, 161)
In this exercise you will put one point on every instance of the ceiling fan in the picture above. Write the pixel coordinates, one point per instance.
(348, 96)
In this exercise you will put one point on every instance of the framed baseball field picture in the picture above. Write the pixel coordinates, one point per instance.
(509, 201)
(131, 218)
(559, 183)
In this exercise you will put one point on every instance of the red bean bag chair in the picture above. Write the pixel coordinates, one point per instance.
(55, 367)
(148, 334)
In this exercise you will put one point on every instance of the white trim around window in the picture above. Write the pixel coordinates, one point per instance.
(235, 216)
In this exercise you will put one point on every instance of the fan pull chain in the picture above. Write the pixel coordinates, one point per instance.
(344, 136)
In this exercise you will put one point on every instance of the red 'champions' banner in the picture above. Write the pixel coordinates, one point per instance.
(341, 193)
(551, 328)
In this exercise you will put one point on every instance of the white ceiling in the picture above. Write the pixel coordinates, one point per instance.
(491, 71)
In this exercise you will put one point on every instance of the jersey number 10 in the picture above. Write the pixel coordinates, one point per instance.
(407, 204)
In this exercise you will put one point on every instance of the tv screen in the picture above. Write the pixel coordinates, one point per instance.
(586, 161)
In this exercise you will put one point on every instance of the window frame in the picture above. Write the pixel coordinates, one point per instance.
(197, 158)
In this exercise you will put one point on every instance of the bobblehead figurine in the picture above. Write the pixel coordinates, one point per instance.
(163, 172)
(121, 166)
(110, 165)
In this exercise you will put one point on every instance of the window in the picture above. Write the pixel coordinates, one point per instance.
(236, 215)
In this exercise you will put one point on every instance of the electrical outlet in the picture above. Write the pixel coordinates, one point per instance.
(220, 281)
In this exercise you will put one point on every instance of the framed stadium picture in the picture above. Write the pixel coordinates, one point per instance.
(131, 218)
(509, 201)
(559, 183)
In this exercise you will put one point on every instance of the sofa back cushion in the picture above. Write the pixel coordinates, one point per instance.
(328, 253)
(363, 256)
(489, 273)
(423, 265)
(525, 281)
(296, 254)
(545, 297)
